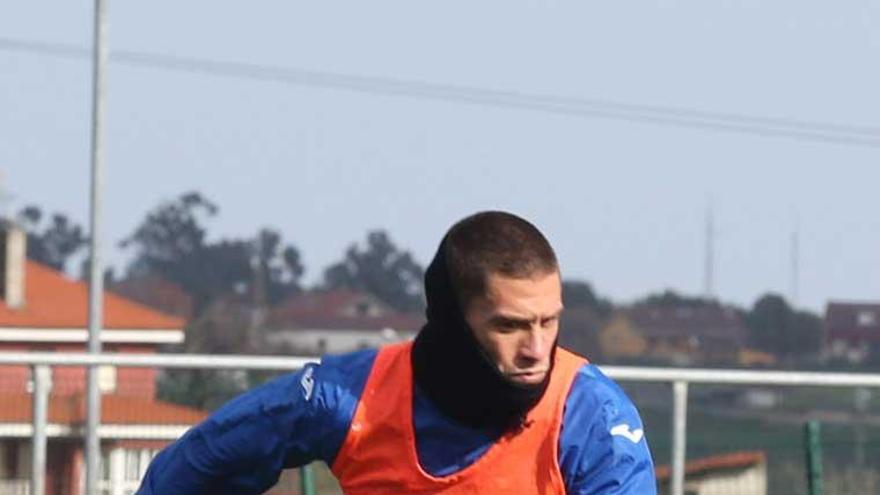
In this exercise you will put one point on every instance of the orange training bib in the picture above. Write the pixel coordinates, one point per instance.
(379, 455)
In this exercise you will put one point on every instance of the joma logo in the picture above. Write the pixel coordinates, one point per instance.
(622, 430)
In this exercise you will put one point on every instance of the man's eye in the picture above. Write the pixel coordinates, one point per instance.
(509, 325)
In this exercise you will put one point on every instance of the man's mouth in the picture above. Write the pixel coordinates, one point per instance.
(528, 376)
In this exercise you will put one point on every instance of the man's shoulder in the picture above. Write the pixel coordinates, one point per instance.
(330, 392)
(339, 373)
(596, 398)
(589, 384)
(602, 432)
(333, 383)
(602, 444)
(356, 362)
(592, 383)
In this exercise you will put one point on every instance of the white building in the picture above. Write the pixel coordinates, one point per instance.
(742, 473)
(336, 322)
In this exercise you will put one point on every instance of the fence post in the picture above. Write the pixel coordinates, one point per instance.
(679, 435)
(42, 381)
(813, 444)
(306, 480)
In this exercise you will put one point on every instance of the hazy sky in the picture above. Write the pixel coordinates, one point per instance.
(624, 202)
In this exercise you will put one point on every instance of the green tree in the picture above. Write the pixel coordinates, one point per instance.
(279, 268)
(224, 327)
(670, 298)
(232, 282)
(585, 313)
(172, 242)
(52, 244)
(810, 330)
(776, 327)
(382, 269)
(577, 294)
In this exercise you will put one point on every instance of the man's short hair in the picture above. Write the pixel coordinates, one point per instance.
(494, 242)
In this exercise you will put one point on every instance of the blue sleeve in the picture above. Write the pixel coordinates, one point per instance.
(243, 447)
(603, 449)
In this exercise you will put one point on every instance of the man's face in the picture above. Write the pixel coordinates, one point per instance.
(516, 322)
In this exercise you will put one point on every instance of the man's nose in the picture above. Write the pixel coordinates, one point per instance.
(534, 347)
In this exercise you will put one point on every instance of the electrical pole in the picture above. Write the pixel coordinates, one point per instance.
(96, 276)
(795, 265)
(709, 262)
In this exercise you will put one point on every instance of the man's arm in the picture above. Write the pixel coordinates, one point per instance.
(603, 449)
(243, 447)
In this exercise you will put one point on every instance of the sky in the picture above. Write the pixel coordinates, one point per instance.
(623, 200)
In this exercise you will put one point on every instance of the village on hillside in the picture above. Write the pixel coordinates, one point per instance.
(182, 293)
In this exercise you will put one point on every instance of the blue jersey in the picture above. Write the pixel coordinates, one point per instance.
(304, 416)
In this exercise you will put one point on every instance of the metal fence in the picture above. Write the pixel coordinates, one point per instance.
(41, 365)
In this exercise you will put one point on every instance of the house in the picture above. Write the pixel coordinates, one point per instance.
(852, 330)
(156, 292)
(680, 334)
(620, 339)
(42, 310)
(337, 321)
(743, 473)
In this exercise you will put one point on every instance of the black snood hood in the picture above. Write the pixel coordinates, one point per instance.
(452, 369)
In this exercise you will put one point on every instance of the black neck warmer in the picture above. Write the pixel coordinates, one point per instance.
(452, 369)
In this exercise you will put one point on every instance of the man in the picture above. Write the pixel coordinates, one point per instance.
(483, 401)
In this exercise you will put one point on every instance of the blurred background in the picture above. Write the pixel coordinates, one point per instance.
(278, 176)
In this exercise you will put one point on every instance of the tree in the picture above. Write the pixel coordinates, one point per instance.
(381, 269)
(171, 242)
(670, 299)
(85, 272)
(171, 232)
(53, 244)
(585, 312)
(232, 281)
(776, 327)
(279, 267)
(768, 322)
(810, 330)
(577, 294)
(224, 327)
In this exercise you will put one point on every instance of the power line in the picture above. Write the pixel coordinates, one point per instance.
(579, 107)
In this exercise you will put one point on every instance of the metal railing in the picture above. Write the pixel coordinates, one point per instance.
(679, 378)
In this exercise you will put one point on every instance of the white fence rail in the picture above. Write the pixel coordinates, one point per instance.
(679, 378)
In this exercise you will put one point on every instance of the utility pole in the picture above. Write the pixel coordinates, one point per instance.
(259, 281)
(795, 265)
(96, 276)
(709, 261)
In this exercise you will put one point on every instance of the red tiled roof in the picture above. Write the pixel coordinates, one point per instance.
(54, 301)
(324, 303)
(709, 321)
(115, 409)
(337, 310)
(733, 460)
(401, 322)
(156, 292)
